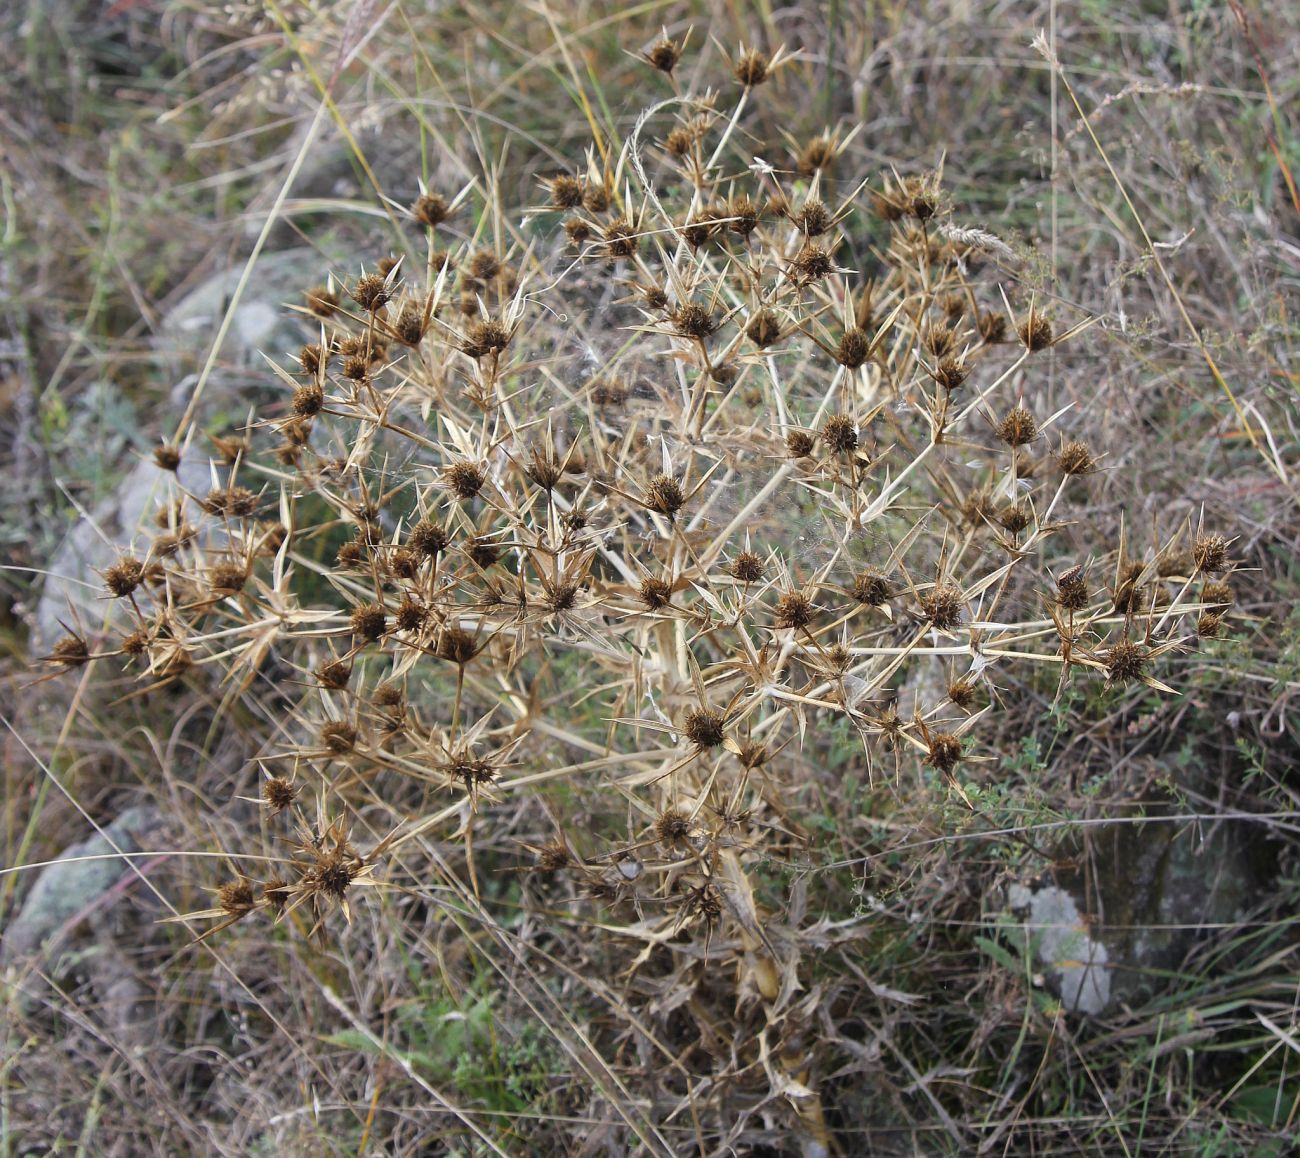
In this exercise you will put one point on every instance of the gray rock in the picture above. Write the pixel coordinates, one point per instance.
(1077, 965)
(72, 884)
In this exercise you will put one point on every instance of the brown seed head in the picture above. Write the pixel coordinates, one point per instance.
(562, 596)
(620, 239)
(566, 191)
(167, 456)
(464, 479)
(962, 693)
(1125, 661)
(704, 728)
(124, 576)
(693, 320)
(951, 373)
(813, 218)
(664, 55)
(870, 587)
(431, 209)
(275, 892)
(1218, 593)
(943, 606)
(483, 337)
(578, 230)
(656, 593)
(427, 538)
(1018, 428)
(698, 230)
(308, 400)
(799, 444)
(672, 827)
(747, 567)
(369, 621)
(595, 198)
(135, 644)
(279, 794)
(1035, 331)
(483, 266)
(744, 214)
(794, 610)
(1210, 553)
(553, 856)
(322, 301)
(1073, 590)
(1075, 458)
(665, 495)
(239, 502)
(819, 153)
(763, 329)
(334, 675)
(752, 68)
(1014, 517)
(236, 898)
(371, 292)
(811, 263)
(840, 433)
(992, 328)
(228, 578)
(854, 348)
(544, 469)
(944, 751)
(456, 645)
(485, 552)
(338, 737)
(410, 615)
(69, 651)
(409, 328)
(1208, 624)
(679, 141)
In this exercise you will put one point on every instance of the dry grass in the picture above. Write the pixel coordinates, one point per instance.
(742, 500)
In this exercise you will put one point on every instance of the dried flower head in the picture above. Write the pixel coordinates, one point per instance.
(951, 373)
(943, 606)
(704, 728)
(794, 610)
(620, 238)
(840, 433)
(566, 191)
(992, 327)
(167, 457)
(1035, 331)
(693, 320)
(369, 621)
(338, 737)
(672, 827)
(1075, 458)
(483, 337)
(1072, 589)
(944, 751)
(817, 154)
(664, 55)
(743, 214)
(236, 898)
(334, 675)
(124, 576)
(870, 587)
(322, 301)
(811, 263)
(428, 539)
(371, 292)
(279, 794)
(431, 209)
(655, 593)
(813, 218)
(1217, 593)
(763, 328)
(464, 479)
(1210, 553)
(1125, 661)
(854, 348)
(747, 567)
(799, 444)
(665, 495)
(752, 68)
(1018, 427)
